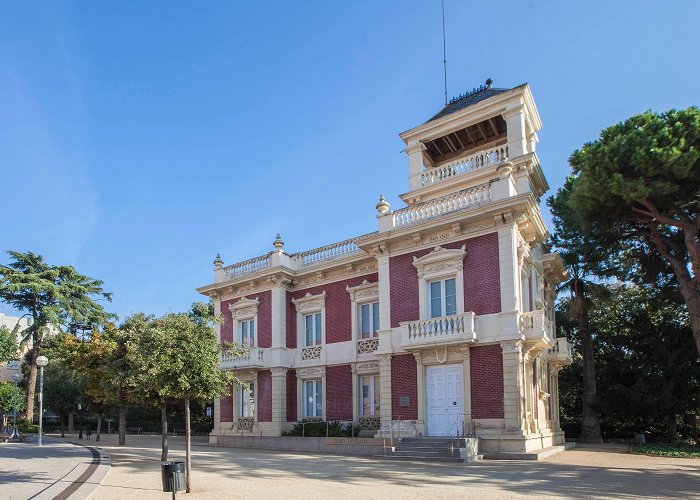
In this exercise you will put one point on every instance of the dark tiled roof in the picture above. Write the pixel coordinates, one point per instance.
(468, 100)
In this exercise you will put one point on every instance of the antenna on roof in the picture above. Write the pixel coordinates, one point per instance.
(444, 49)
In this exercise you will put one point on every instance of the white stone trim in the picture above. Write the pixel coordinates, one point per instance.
(306, 374)
(365, 293)
(310, 304)
(440, 264)
(244, 309)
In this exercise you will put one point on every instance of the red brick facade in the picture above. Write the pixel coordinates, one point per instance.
(338, 327)
(226, 409)
(339, 400)
(486, 370)
(403, 383)
(482, 287)
(291, 395)
(264, 323)
(264, 396)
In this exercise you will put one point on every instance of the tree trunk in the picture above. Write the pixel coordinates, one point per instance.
(672, 425)
(99, 426)
(31, 384)
(122, 424)
(691, 297)
(63, 425)
(164, 430)
(590, 424)
(188, 451)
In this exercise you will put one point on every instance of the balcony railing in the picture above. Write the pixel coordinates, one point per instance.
(247, 266)
(328, 252)
(437, 331)
(250, 359)
(434, 208)
(465, 165)
(535, 326)
(561, 351)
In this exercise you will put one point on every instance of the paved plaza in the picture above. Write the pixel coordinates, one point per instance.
(232, 473)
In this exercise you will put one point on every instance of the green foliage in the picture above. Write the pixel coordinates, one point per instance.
(7, 394)
(647, 370)
(677, 450)
(63, 388)
(8, 344)
(25, 427)
(322, 429)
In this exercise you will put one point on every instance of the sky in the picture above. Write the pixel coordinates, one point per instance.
(139, 139)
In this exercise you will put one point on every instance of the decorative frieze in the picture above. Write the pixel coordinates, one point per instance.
(311, 352)
(244, 307)
(511, 347)
(366, 367)
(366, 346)
(316, 371)
(245, 423)
(310, 302)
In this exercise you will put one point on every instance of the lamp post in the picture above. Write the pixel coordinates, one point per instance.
(15, 432)
(80, 411)
(41, 362)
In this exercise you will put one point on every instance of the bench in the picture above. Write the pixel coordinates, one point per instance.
(137, 430)
(178, 431)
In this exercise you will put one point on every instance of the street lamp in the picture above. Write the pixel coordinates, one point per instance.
(15, 432)
(41, 362)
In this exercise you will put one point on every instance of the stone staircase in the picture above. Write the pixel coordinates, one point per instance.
(424, 450)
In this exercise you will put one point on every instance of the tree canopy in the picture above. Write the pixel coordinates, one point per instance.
(8, 344)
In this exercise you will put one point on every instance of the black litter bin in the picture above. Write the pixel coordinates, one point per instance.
(173, 471)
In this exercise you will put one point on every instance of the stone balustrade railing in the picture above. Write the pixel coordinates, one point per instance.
(535, 325)
(247, 266)
(250, 358)
(561, 350)
(440, 206)
(328, 252)
(464, 165)
(443, 330)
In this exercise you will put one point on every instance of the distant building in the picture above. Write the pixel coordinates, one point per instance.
(11, 367)
(440, 318)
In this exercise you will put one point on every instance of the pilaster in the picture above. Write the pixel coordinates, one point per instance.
(385, 388)
(384, 290)
(517, 137)
(279, 317)
(420, 383)
(507, 257)
(415, 151)
(512, 386)
(279, 398)
(466, 367)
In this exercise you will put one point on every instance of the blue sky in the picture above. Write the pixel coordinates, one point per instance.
(141, 138)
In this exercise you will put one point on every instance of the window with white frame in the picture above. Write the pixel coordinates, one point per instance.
(369, 320)
(246, 401)
(442, 297)
(313, 398)
(441, 282)
(247, 332)
(313, 329)
(369, 395)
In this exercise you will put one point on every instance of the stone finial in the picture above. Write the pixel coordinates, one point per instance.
(383, 205)
(278, 243)
(218, 262)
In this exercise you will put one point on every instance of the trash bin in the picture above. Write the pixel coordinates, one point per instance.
(173, 471)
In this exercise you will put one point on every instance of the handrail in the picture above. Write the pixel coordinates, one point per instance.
(464, 432)
(391, 433)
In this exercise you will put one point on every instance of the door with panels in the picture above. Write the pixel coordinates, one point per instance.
(444, 386)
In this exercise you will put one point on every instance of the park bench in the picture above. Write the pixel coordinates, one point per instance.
(137, 430)
(178, 431)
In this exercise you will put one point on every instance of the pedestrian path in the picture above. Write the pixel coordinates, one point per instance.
(58, 469)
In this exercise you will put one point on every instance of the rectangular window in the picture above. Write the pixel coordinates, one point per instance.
(247, 333)
(369, 395)
(369, 320)
(312, 325)
(246, 406)
(313, 400)
(443, 298)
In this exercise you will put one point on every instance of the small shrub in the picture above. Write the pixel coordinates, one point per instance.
(679, 450)
(26, 427)
(322, 429)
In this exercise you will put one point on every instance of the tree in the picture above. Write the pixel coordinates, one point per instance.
(180, 353)
(583, 259)
(8, 344)
(63, 390)
(7, 400)
(50, 295)
(640, 181)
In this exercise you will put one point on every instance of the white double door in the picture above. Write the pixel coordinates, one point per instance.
(444, 399)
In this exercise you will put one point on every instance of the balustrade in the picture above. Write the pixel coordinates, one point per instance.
(247, 266)
(443, 330)
(328, 252)
(441, 206)
(252, 357)
(464, 165)
(535, 325)
(311, 352)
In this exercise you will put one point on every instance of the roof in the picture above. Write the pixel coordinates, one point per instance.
(468, 99)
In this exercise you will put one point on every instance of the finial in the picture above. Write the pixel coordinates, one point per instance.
(383, 205)
(218, 262)
(278, 243)
(489, 82)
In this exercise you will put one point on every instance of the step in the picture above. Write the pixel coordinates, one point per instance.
(426, 454)
(420, 459)
(532, 455)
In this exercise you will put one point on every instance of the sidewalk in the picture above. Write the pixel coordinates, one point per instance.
(56, 469)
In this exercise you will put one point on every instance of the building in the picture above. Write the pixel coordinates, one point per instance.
(441, 318)
(10, 322)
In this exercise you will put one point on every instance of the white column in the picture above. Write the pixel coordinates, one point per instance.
(515, 130)
(385, 411)
(384, 291)
(279, 317)
(279, 399)
(355, 394)
(415, 151)
(509, 280)
(420, 383)
(512, 386)
(216, 301)
(466, 367)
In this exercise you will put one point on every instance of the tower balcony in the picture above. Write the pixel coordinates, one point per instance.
(535, 326)
(560, 352)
